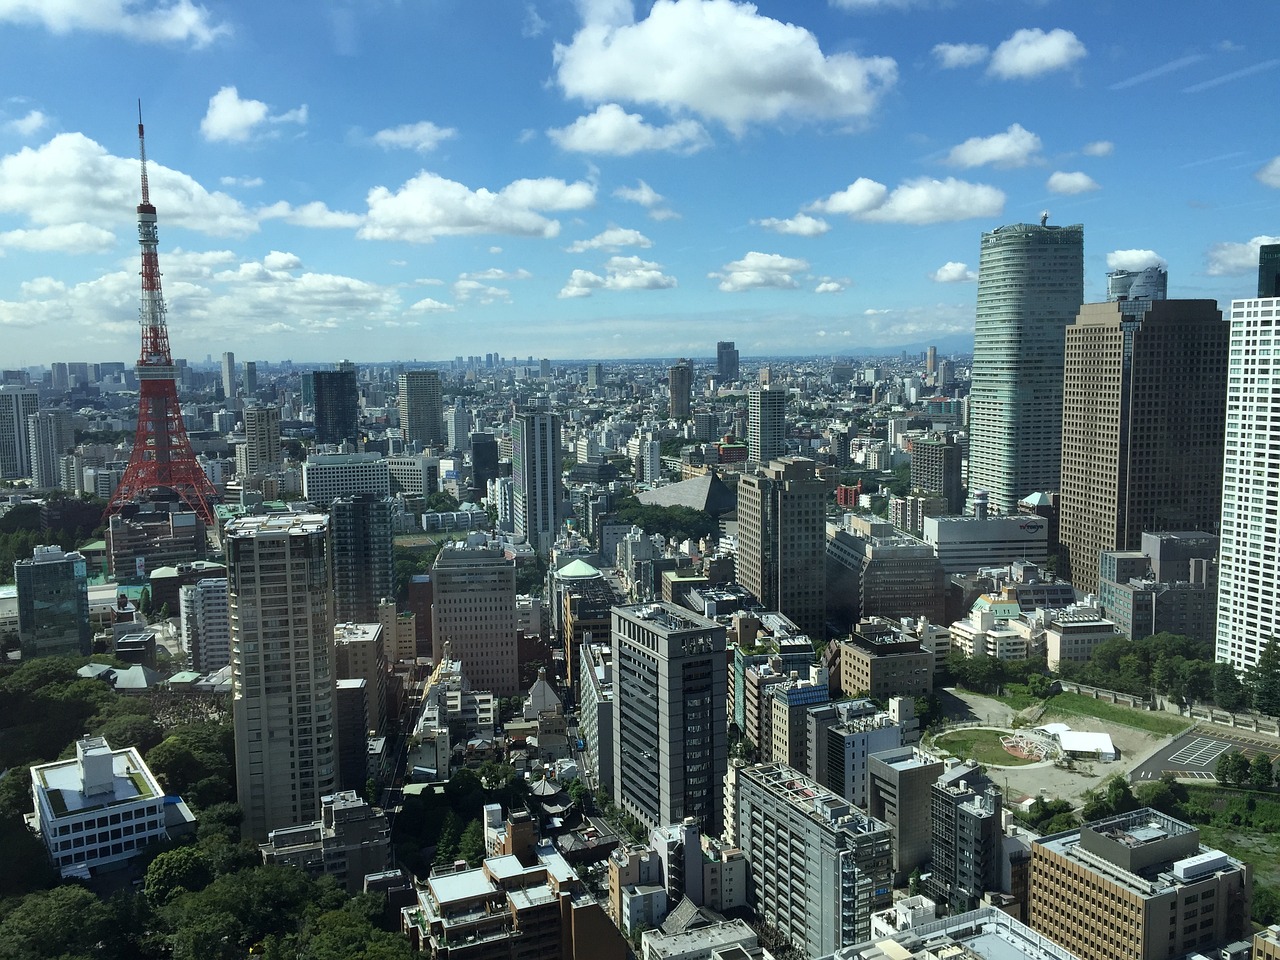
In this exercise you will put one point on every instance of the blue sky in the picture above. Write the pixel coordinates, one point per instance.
(424, 178)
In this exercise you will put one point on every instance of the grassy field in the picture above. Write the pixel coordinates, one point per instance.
(1078, 705)
(981, 745)
(1243, 823)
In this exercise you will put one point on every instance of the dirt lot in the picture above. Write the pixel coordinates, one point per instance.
(1134, 745)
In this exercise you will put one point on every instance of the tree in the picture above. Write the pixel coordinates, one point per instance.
(131, 730)
(913, 882)
(1228, 692)
(471, 844)
(177, 871)
(1233, 768)
(1261, 773)
(1264, 681)
(64, 921)
(175, 764)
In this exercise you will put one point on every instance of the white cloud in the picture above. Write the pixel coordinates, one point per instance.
(465, 290)
(801, 225)
(497, 273)
(1229, 259)
(875, 4)
(240, 181)
(423, 137)
(953, 272)
(1016, 147)
(25, 126)
(758, 270)
(313, 214)
(533, 25)
(719, 59)
(71, 179)
(431, 306)
(641, 193)
(430, 206)
(232, 119)
(828, 285)
(1270, 174)
(1098, 148)
(63, 238)
(1030, 53)
(1134, 260)
(275, 260)
(612, 239)
(916, 201)
(1070, 183)
(611, 130)
(179, 21)
(951, 56)
(621, 273)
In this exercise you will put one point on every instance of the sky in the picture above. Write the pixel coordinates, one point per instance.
(419, 179)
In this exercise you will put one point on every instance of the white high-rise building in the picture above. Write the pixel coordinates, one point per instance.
(229, 375)
(421, 408)
(535, 472)
(457, 422)
(260, 452)
(1249, 544)
(17, 403)
(205, 620)
(766, 424)
(281, 668)
(49, 438)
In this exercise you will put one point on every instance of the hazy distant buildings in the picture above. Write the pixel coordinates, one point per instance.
(17, 404)
(337, 404)
(536, 460)
(726, 361)
(1030, 287)
(1144, 404)
(680, 381)
(766, 424)
(228, 374)
(49, 438)
(422, 408)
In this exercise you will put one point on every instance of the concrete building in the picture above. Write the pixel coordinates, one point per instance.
(17, 404)
(359, 653)
(1181, 598)
(680, 381)
(261, 451)
(882, 575)
(537, 485)
(281, 668)
(766, 424)
(841, 738)
(883, 659)
(1140, 448)
(337, 404)
(992, 628)
(361, 538)
(229, 375)
(595, 710)
(50, 437)
(205, 623)
(1248, 561)
(782, 540)
(1140, 884)
(474, 611)
(900, 785)
(422, 409)
(789, 704)
(935, 468)
(100, 809)
(818, 868)
(988, 933)
(53, 604)
(1030, 287)
(726, 361)
(965, 815)
(416, 475)
(966, 544)
(327, 476)
(670, 748)
(350, 841)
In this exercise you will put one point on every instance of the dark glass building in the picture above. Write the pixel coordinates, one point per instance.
(360, 537)
(337, 402)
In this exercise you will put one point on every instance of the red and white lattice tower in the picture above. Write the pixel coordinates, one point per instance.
(162, 458)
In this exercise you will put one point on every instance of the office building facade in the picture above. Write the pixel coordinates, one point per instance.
(360, 542)
(1269, 270)
(474, 611)
(281, 668)
(1030, 287)
(337, 404)
(967, 837)
(935, 468)
(670, 747)
(327, 476)
(53, 604)
(1143, 413)
(422, 409)
(205, 619)
(537, 485)
(229, 375)
(17, 404)
(680, 381)
(261, 451)
(726, 361)
(50, 437)
(766, 424)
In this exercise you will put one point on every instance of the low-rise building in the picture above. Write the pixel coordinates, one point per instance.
(349, 841)
(882, 659)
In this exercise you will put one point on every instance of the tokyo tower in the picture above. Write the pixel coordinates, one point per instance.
(162, 458)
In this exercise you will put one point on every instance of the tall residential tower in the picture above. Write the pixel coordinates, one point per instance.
(535, 472)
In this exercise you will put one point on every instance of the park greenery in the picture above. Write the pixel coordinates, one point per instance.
(20, 534)
(672, 523)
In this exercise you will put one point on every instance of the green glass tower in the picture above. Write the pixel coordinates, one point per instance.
(1030, 287)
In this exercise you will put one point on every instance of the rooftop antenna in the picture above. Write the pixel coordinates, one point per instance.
(1044, 218)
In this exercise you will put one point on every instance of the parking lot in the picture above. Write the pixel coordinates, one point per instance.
(1194, 755)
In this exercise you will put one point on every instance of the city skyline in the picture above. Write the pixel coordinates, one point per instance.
(524, 186)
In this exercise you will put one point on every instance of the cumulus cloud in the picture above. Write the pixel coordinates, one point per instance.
(718, 59)
(612, 239)
(1016, 147)
(466, 289)
(953, 272)
(1098, 148)
(26, 126)
(423, 136)
(611, 130)
(916, 201)
(1031, 53)
(1270, 174)
(801, 225)
(72, 179)
(428, 305)
(240, 181)
(430, 206)
(829, 285)
(641, 193)
(497, 273)
(1229, 259)
(951, 56)
(1134, 260)
(63, 238)
(146, 21)
(314, 214)
(1069, 183)
(620, 273)
(275, 260)
(758, 270)
(233, 119)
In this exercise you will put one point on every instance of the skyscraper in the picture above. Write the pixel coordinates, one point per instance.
(17, 403)
(766, 424)
(53, 604)
(337, 401)
(261, 451)
(281, 668)
(228, 374)
(360, 544)
(484, 464)
(726, 361)
(535, 472)
(474, 610)
(680, 380)
(1150, 283)
(1144, 403)
(670, 748)
(250, 378)
(1030, 286)
(935, 468)
(49, 438)
(205, 619)
(1248, 558)
(1269, 270)
(782, 540)
(421, 408)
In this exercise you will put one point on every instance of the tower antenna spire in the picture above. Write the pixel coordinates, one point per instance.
(142, 154)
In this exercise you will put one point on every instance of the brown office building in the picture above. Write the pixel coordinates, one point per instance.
(1143, 420)
(879, 660)
(1138, 884)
